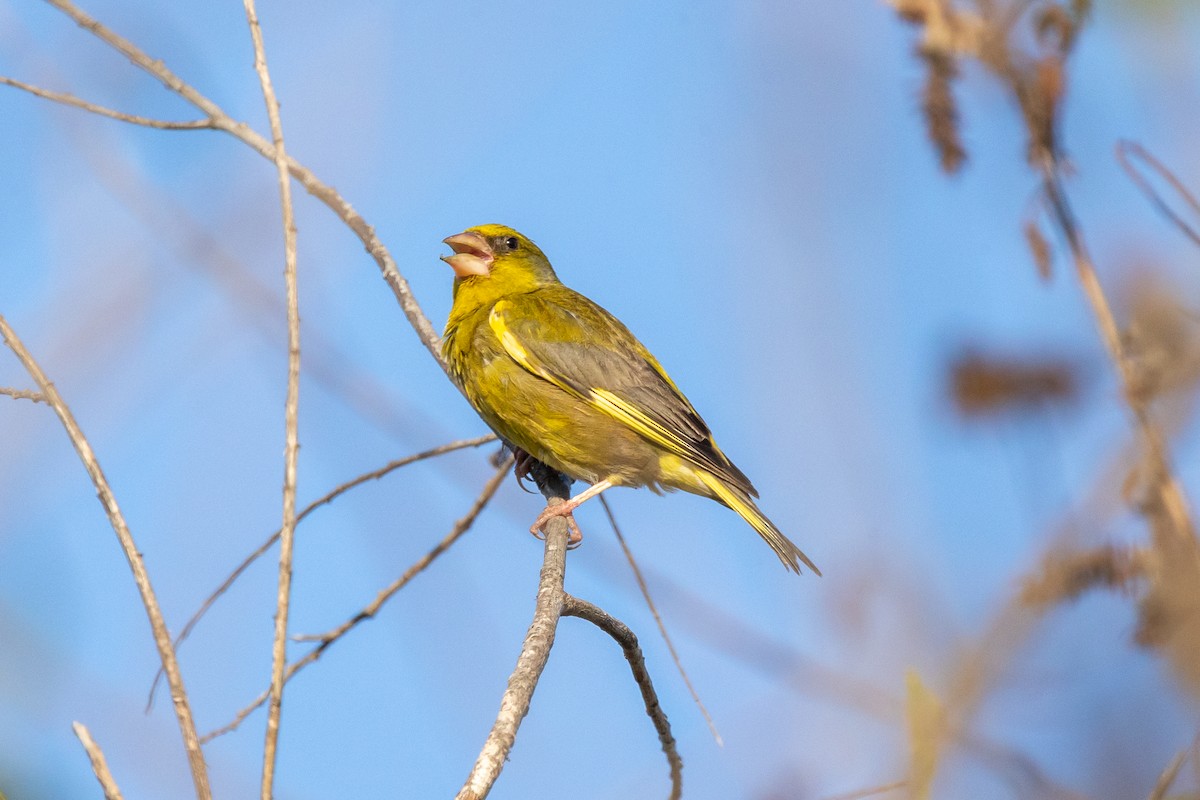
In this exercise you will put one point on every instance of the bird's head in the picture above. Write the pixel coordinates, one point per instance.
(495, 260)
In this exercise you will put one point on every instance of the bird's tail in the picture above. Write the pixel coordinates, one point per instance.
(743, 504)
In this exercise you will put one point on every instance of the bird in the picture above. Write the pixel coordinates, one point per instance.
(563, 381)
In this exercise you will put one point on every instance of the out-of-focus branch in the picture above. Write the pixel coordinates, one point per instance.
(291, 412)
(162, 638)
(1126, 153)
(326, 640)
(325, 499)
(99, 765)
(535, 651)
(619, 631)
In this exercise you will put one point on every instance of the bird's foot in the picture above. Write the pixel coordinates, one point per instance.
(567, 509)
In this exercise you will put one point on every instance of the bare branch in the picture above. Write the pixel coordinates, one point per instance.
(323, 192)
(325, 499)
(1126, 151)
(327, 639)
(23, 394)
(619, 631)
(514, 705)
(133, 119)
(291, 409)
(162, 638)
(662, 629)
(99, 765)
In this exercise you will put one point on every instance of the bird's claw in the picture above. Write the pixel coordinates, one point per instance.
(522, 464)
(574, 535)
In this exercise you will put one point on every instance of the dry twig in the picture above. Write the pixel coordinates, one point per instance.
(291, 409)
(99, 765)
(327, 639)
(662, 628)
(619, 631)
(325, 499)
(162, 638)
(23, 394)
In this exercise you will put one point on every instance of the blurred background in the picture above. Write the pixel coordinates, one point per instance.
(751, 188)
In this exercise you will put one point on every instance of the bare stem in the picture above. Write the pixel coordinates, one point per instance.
(327, 639)
(323, 192)
(619, 631)
(162, 638)
(23, 394)
(133, 119)
(99, 765)
(514, 704)
(662, 628)
(325, 499)
(291, 409)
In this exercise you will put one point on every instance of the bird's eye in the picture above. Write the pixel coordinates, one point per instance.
(511, 243)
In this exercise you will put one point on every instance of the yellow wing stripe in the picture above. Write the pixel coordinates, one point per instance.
(602, 399)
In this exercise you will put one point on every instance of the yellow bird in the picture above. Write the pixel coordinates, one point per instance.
(561, 379)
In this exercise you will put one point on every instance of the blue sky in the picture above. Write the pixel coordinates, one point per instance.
(749, 187)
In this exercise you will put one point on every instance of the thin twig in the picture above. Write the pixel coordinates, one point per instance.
(1163, 784)
(327, 639)
(1165, 483)
(99, 765)
(535, 651)
(291, 409)
(620, 632)
(662, 629)
(325, 499)
(1126, 150)
(133, 119)
(323, 192)
(23, 394)
(162, 638)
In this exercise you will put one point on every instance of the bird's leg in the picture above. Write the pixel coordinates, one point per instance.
(567, 509)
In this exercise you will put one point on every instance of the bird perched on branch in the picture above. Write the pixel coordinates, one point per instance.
(560, 379)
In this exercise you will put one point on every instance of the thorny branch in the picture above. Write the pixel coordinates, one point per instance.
(162, 638)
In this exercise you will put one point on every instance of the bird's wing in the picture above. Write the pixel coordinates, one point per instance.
(566, 339)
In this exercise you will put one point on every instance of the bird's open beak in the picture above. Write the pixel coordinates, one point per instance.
(472, 254)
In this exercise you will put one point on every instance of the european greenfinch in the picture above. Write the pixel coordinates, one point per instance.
(561, 379)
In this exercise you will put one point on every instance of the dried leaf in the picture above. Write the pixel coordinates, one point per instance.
(1039, 247)
(926, 721)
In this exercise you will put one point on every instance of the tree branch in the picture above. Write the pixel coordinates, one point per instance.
(619, 631)
(325, 499)
(162, 638)
(291, 409)
(133, 119)
(323, 192)
(514, 704)
(99, 765)
(23, 394)
(327, 639)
